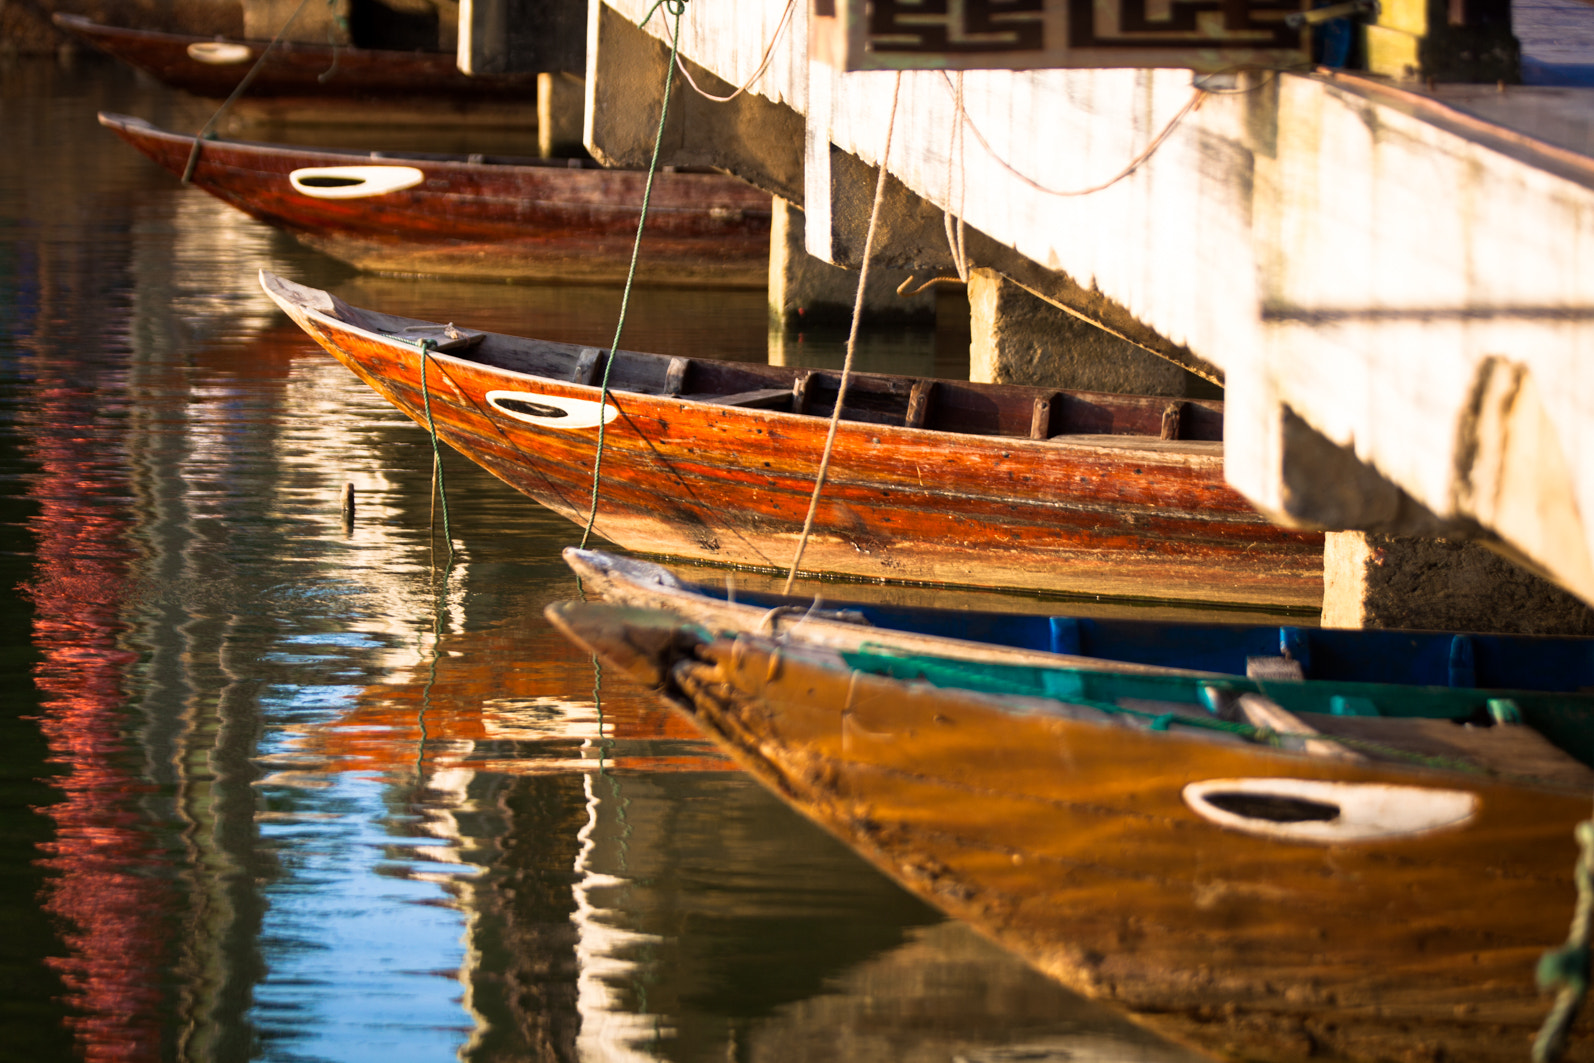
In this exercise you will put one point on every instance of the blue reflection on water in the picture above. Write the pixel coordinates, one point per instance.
(356, 954)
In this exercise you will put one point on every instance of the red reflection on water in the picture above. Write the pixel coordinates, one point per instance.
(104, 890)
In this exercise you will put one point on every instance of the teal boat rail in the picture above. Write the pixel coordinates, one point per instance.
(1565, 719)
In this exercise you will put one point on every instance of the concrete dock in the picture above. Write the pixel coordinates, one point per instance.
(1392, 277)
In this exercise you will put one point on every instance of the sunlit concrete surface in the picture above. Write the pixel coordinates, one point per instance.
(1393, 282)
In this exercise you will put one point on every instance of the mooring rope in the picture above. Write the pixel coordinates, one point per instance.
(1199, 94)
(763, 62)
(956, 152)
(954, 229)
(426, 346)
(852, 339)
(243, 84)
(961, 121)
(1566, 969)
(676, 8)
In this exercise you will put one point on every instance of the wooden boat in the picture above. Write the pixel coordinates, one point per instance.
(1318, 655)
(1374, 890)
(933, 481)
(213, 67)
(553, 220)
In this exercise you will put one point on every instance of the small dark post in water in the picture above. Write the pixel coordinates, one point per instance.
(348, 509)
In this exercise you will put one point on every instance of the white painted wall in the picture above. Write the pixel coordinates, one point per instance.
(1354, 256)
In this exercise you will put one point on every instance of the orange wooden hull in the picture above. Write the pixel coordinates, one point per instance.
(1068, 838)
(1101, 514)
(530, 220)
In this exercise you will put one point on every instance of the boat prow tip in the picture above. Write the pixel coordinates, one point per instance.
(643, 643)
(292, 296)
(597, 564)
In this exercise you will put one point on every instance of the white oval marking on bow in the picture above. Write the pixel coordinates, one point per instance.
(354, 182)
(219, 53)
(551, 411)
(1328, 813)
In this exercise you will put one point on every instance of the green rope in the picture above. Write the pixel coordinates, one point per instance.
(243, 84)
(676, 8)
(1566, 969)
(437, 453)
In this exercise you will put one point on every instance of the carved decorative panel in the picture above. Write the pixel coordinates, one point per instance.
(1018, 34)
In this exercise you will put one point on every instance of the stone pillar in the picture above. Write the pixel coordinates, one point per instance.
(517, 36)
(805, 291)
(755, 138)
(1388, 581)
(1017, 338)
(561, 99)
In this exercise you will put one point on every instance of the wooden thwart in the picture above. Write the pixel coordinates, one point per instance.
(762, 399)
(675, 375)
(919, 403)
(586, 367)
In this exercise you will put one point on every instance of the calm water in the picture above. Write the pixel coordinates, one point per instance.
(277, 792)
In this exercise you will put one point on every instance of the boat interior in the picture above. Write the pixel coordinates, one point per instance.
(936, 405)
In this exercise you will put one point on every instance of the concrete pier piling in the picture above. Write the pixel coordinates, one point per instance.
(1388, 278)
(804, 290)
(1019, 338)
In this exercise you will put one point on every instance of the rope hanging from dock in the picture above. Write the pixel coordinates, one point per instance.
(1200, 93)
(676, 8)
(954, 223)
(852, 338)
(243, 84)
(1566, 969)
(763, 62)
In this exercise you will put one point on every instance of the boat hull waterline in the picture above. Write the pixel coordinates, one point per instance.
(451, 216)
(693, 467)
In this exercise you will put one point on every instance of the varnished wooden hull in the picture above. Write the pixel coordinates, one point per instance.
(1067, 837)
(299, 68)
(1103, 514)
(547, 222)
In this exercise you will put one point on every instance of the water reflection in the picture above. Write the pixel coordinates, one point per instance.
(101, 886)
(320, 795)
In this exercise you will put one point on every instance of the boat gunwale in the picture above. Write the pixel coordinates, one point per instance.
(1173, 452)
(786, 652)
(135, 127)
(614, 584)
